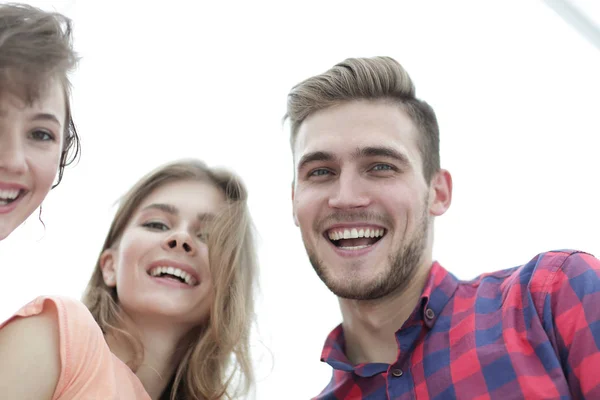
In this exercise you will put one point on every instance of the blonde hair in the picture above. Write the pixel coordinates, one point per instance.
(35, 47)
(377, 78)
(216, 355)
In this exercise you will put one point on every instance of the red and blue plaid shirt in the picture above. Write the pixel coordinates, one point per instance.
(530, 332)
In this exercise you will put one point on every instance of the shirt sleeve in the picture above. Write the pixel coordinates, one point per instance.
(573, 302)
(82, 347)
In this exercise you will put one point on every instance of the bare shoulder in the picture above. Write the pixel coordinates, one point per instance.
(29, 356)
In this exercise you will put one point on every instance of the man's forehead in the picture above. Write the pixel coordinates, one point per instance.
(342, 146)
(358, 117)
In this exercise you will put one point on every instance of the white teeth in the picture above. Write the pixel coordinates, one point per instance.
(354, 247)
(157, 271)
(9, 194)
(355, 233)
(186, 277)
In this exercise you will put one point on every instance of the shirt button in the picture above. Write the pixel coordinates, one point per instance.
(429, 314)
(397, 373)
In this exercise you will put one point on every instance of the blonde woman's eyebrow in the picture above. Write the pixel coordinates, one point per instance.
(171, 209)
(205, 217)
(168, 208)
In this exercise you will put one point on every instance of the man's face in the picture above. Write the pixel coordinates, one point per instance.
(360, 198)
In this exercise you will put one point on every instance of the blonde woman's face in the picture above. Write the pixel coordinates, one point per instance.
(31, 142)
(161, 266)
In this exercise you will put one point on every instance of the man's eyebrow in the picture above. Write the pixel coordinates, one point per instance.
(361, 152)
(315, 156)
(381, 151)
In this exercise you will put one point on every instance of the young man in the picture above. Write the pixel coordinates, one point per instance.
(367, 187)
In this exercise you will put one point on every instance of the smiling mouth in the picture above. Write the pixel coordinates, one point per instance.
(355, 238)
(10, 196)
(173, 273)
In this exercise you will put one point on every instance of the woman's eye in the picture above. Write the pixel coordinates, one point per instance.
(42, 135)
(154, 225)
(203, 236)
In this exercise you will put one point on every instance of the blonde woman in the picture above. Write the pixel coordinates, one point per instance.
(37, 135)
(168, 309)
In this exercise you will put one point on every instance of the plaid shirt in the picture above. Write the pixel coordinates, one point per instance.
(530, 332)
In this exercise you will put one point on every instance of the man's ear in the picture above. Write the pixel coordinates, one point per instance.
(294, 206)
(107, 265)
(441, 193)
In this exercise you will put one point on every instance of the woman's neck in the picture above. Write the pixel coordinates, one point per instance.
(161, 354)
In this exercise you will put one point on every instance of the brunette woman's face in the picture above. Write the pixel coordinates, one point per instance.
(31, 143)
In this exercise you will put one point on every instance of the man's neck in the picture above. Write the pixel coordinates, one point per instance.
(161, 357)
(370, 326)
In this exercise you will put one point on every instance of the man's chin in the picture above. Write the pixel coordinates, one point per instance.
(356, 289)
(348, 281)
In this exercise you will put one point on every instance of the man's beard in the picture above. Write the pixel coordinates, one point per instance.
(403, 264)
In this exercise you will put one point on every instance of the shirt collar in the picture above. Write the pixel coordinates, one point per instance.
(438, 290)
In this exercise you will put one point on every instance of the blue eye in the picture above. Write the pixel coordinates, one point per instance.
(154, 225)
(42, 135)
(319, 172)
(383, 167)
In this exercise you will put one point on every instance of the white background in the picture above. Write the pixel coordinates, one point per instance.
(516, 91)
